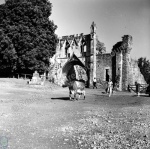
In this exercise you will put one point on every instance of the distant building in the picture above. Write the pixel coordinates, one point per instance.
(116, 64)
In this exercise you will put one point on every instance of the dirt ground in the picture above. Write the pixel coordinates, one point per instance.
(42, 117)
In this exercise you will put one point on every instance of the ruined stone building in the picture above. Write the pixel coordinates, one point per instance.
(117, 64)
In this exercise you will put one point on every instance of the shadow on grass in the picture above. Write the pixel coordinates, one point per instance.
(61, 98)
(140, 96)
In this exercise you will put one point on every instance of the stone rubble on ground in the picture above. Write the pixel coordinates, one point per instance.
(98, 129)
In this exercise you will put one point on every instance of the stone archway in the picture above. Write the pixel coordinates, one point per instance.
(74, 69)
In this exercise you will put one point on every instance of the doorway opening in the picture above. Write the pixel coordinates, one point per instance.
(107, 74)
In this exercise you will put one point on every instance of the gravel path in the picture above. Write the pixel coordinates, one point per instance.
(42, 117)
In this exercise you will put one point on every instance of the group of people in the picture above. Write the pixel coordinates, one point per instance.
(109, 88)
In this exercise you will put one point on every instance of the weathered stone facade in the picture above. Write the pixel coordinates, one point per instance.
(124, 66)
(102, 66)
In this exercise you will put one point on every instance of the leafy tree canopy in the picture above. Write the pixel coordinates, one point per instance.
(100, 47)
(8, 55)
(29, 34)
(144, 66)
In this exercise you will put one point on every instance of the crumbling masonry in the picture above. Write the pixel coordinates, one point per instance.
(118, 63)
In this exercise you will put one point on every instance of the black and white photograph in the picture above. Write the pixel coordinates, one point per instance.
(74, 74)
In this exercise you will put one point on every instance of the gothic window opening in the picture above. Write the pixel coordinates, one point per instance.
(66, 52)
(72, 45)
(67, 47)
(69, 55)
(82, 49)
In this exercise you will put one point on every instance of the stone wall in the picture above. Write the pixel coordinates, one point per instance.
(88, 59)
(109, 65)
(80, 46)
(104, 61)
(125, 70)
(135, 74)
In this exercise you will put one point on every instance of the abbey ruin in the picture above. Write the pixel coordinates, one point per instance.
(116, 64)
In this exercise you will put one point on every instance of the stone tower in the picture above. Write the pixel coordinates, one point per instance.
(124, 69)
(126, 60)
(93, 49)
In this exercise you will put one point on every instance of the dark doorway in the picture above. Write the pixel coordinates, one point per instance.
(113, 68)
(107, 74)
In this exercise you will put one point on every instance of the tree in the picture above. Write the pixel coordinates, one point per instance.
(144, 66)
(100, 47)
(8, 55)
(26, 24)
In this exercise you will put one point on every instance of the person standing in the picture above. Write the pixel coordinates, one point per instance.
(137, 89)
(94, 83)
(110, 87)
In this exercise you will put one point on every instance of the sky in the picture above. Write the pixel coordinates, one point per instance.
(113, 18)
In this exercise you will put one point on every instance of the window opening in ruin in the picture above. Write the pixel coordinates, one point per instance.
(82, 49)
(66, 52)
(69, 55)
(107, 74)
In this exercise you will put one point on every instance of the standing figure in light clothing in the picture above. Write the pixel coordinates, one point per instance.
(137, 88)
(110, 87)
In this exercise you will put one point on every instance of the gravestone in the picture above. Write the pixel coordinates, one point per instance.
(35, 77)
